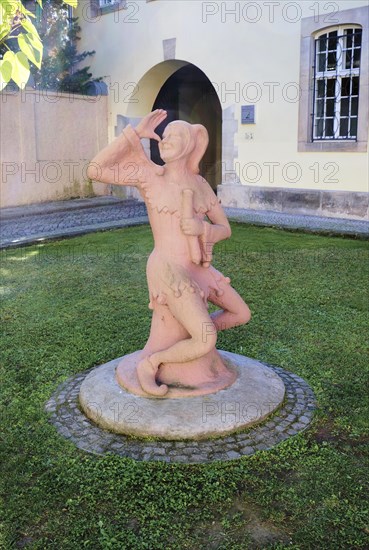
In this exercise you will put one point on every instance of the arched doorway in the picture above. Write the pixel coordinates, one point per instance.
(189, 95)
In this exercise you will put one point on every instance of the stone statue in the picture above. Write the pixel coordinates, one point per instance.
(180, 354)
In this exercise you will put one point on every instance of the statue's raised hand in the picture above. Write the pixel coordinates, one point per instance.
(145, 128)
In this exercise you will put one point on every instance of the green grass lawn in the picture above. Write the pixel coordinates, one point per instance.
(69, 305)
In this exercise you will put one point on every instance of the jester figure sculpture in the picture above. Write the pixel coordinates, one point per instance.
(180, 351)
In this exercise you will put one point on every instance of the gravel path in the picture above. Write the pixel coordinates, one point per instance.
(24, 225)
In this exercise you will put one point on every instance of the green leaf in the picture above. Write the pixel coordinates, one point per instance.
(24, 10)
(6, 16)
(72, 3)
(8, 56)
(7, 10)
(39, 2)
(31, 47)
(4, 31)
(6, 68)
(37, 47)
(30, 28)
(20, 73)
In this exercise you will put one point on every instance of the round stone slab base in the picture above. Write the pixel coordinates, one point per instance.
(257, 392)
(293, 417)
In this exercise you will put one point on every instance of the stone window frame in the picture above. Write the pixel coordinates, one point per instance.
(97, 10)
(310, 28)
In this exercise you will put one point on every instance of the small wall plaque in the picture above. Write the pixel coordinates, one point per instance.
(248, 114)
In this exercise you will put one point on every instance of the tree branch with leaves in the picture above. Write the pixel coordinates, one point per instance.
(21, 42)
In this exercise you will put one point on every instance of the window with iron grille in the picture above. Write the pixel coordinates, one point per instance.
(102, 7)
(336, 84)
(105, 3)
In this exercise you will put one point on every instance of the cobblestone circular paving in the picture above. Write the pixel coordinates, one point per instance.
(294, 416)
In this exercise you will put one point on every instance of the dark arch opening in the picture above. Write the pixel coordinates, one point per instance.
(189, 95)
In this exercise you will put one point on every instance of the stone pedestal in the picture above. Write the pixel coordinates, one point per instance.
(256, 392)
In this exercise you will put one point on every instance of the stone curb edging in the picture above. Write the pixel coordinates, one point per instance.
(57, 207)
(294, 416)
(74, 232)
(300, 222)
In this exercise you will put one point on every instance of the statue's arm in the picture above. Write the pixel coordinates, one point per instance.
(122, 162)
(208, 233)
(218, 230)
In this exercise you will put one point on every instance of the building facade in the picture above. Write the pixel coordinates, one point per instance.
(282, 87)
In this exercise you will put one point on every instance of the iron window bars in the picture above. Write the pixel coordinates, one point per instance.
(104, 3)
(336, 85)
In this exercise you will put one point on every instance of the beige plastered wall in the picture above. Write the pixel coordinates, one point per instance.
(252, 56)
(47, 140)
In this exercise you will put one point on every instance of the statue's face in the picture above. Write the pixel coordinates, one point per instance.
(174, 142)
